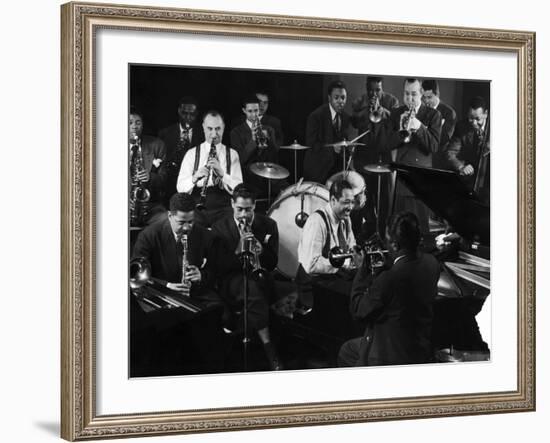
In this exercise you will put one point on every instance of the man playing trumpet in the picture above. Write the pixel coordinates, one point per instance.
(412, 135)
(210, 172)
(254, 141)
(241, 227)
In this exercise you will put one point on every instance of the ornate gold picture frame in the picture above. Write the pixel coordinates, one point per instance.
(79, 397)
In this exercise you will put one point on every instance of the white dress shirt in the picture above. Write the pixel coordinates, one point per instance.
(229, 181)
(313, 240)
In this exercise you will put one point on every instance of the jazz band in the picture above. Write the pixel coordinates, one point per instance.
(345, 227)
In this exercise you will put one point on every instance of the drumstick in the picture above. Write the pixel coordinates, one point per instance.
(359, 136)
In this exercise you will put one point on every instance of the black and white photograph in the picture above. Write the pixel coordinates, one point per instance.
(283, 220)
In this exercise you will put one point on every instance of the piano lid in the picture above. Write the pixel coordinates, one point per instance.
(448, 197)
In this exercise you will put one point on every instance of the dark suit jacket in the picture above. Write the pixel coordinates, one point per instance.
(465, 149)
(397, 306)
(242, 142)
(157, 244)
(263, 228)
(424, 142)
(448, 118)
(152, 148)
(268, 120)
(171, 137)
(320, 160)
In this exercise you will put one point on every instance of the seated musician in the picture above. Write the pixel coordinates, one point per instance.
(412, 136)
(147, 172)
(233, 231)
(327, 124)
(325, 229)
(161, 244)
(178, 139)
(210, 172)
(396, 303)
(255, 142)
(469, 149)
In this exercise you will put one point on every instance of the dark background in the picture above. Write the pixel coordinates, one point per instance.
(155, 91)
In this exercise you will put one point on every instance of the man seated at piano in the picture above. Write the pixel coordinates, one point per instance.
(326, 229)
(242, 231)
(395, 302)
(182, 254)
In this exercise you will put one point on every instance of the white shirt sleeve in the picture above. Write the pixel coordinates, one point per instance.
(311, 245)
(230, 181)
(185, 177)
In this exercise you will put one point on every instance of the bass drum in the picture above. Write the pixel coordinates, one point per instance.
(284, 211)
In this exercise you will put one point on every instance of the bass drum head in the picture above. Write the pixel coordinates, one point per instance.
(284, 211)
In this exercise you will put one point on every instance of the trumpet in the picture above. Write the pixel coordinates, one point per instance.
(211, 155)
(376, 256)
(375, 114)
(406, 132)
(251, 249)
(260, 134)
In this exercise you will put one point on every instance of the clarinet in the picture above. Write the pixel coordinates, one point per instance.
(211, 155)
(185, 259)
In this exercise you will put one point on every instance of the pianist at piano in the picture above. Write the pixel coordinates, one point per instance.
(396, 304)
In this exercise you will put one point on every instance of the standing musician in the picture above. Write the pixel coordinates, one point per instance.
(374, 100)
(396, 303)
(430, 97)
(254, 141)
(178, 139)
(412, 135)
(234, 231)
(147, 172)
(325, 229)
(268, 119)
(469, 149)
(162, 245)
(369, 113)
(327, 124)
(210, 172)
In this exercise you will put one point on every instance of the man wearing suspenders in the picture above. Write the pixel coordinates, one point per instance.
(210, 172)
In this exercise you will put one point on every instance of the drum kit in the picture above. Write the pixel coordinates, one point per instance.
(304, 198)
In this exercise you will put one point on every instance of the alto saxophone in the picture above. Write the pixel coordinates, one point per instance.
(211, 155)
(139, 194)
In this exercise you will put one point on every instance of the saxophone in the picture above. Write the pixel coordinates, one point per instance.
(211, 155)
(185, 258)
(139, 194)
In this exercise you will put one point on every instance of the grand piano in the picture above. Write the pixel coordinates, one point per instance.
(464, 284)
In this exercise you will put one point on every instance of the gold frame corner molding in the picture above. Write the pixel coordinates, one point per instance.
(79, 420)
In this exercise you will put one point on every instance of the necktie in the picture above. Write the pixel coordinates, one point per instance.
(337, 123)
(342, 235)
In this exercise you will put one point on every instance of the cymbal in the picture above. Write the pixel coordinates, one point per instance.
(268, 170)
(377, 168)
(295, 147)
(344, 143)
